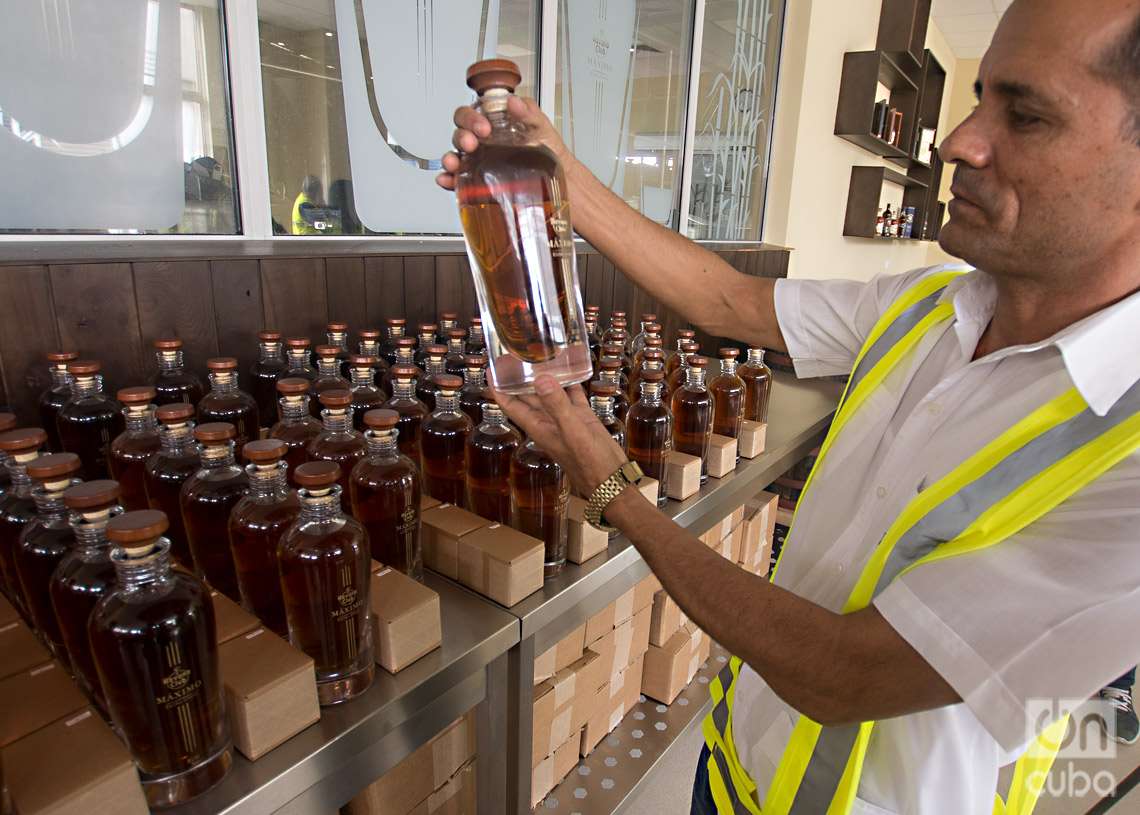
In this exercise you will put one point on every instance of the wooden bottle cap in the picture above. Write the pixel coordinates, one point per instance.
(652, 376)
(381, 419)
(7, 422)
(610, 364)
(362, 361)
(652, 327)
(436, 350)
(167, 344)
(175, 413)
(61, 356)
(84, 367)
(652, 353)
(690, 346)
(474, 360)
(603, 389)
(317, 474)
(653, 342)
(728, 353)
(448, 382)
(22, 439)
(613, 349)
(369, 333)
(697, 361)
(486, 74)
(337, 327)
(648, 318)
(222, 364)
(457, 334)
(325, 351)
(685, 333)
(395, 322)
(449, 315)
(214, 432)
(617, 315)
(595, 309)
(136, 395)
(265, 451)
(54, 465)
(404, 371)
(92, 494)
(406, 342)
(298, 342)
(137, 527)
(269, 335)
(292, 385)
(477, 320)
(336, 398)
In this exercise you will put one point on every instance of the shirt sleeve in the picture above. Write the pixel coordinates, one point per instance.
(1029, 628)
(825, 322)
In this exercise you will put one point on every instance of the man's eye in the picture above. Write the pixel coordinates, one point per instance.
(1023, 120)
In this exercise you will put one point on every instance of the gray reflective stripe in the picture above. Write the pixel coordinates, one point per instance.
(722, 765)
(823, 773)
(890, 338)
(720, 717)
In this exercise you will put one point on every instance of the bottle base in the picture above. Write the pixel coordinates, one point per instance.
(171, 790)
(341, 689)
(553, 568)
(513, 376)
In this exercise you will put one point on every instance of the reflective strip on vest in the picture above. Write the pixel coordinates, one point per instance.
(1021, 475)
(300, 225)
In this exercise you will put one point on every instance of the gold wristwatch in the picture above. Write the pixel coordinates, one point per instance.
(627, 474)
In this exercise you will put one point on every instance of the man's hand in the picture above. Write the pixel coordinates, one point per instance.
(471, 127)
(562, 423)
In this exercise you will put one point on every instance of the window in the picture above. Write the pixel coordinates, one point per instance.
(115, 122)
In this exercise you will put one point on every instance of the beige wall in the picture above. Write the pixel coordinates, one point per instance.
(807, 194)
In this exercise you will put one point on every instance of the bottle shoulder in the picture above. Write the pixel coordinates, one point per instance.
(137, 613)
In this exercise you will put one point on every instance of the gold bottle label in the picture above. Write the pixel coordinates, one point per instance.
(408, 519)
(181, 688)
(348, 607)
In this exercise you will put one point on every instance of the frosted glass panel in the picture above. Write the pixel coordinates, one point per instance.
(111, 121)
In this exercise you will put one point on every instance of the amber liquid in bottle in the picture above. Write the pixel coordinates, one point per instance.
(296, 427)
(396, 327)
(176, 460)
(337, 337)
(207, 499)
(366, 396)
(405, 357)
(425, 340)
(757, 386)
(444, 440)
(17, 510)
(88, 423)
(475, 344)
(540, 492)
(693, 409)
(474, 392)
(56, 396)
(649, 432)
(325, 578)
(428, 386)
(602, 401)
(489, 450)
(256, 525)
(412, 412)
(172, 382)
(609, 373)
(132, 448)
(226, 403)
(337, 441)
(328, 377)
(154, 642)
(370, 347)
(684, 336)
(728, 394)
(456, 360)
(270, 367)
(385, 497)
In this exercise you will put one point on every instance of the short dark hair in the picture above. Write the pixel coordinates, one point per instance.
(1120, 65)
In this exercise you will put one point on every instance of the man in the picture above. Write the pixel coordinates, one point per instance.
(309, 215)
(966, 552)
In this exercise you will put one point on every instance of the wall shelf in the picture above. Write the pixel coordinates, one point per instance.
(863, 72)
(864, 195)
(902, 30)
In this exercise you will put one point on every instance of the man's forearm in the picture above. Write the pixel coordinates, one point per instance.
(684, 276)
(836, 669)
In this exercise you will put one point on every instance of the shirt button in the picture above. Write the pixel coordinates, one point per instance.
(881, 492)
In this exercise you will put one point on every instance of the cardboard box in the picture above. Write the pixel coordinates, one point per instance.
(8, 611)
(231, 619)
(683, 475)
(589, 675)
(650, 488)
(74, 766)
(724, 549)
(20, 648)
(665, 620)
(722, 455)
(553, 713)
(442, 527)
(35, 698)
(763, 563)
(455, 797)
(644, 590)
(560, 655)
(624, 644)
(271, 691)
(639, 643)
(584, 539)
(501, 563)
(735, 519)
(666, 670)
(600, 624)
(427, 502)
(735, 545)
(606, 713)
(752, 438)
(547, 775)
(623, 607)
(405, 619)
(632, 684)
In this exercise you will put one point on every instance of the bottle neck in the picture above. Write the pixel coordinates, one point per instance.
(403, 388)
(728, 367)
(475, 334)
(270, 351)
(223, 381)
(434, 365)
(169, 361)
(455, 346)
(494, 106)
(298, 357)
(18, 472)
(474, 376)
(651, 392)
(139, 419)
(339, 339)
(177, 439)
(756, 356)
(336, 421)
(328, 366)
(48, 498)
(493, 415)
(268, 482)
(405, 356)
(447, 402)
(60, 378)
(361, 377)
(90, 527)
(320, 505)
(694, 378)
(610, 377)
(86, 385)
(135, 573)
(395, 332)
(603, 408)
(383, 443)
(426, 340)
(369, 348)
(293, 408)
(216, 455)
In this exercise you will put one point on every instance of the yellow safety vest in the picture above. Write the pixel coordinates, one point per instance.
(300, 225)
(1025, 472)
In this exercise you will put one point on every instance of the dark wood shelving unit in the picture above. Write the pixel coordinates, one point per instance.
(863, 71)
(902, 30)
(863, 197)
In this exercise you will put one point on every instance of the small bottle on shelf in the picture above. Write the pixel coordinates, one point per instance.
(673, 362)
(617, 351)
(649, 431)
(540, 492)
(89, 420)
(455, 361)
(474, 391)
(677, 378)
(296, 425)
(650, 353)
(166, 470)
(337, 441)
(84, 575)
(489, 450)
(256, 525)
(609, 373)
(434, 367)
(427, 338)
(412, 411)
(593, 335)
(396, 327)
(132, 448)
(17, 507)
(757, 386)
(172, 382)
(7, 422)
(617, 323)
(638, 340)
(443, 439)
(385, 496)
(651, 332)
(57, 394)
(693, 408)
(476, 343)
(154, 641)
(602, 401)
(325, 566)
(264, 374)
(405, 356)
(298, 364)
(448, 322)
(728, 396)
(207, 498)
(227, 403)
(328, 377)
(337, 336)
(370, 347)
(365, 395)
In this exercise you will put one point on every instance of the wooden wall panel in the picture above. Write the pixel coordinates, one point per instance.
(346, 292)
(454, 288)
(26, 290)
(384, 289)
(237, 307)
(419, 291)
(295, 296)
(176, 299)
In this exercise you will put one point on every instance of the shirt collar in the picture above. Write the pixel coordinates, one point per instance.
(1101, 353)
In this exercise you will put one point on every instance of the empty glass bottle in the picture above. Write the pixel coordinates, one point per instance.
(540, 492)
(728, 393)
(337, 337)
(434, 366)
(17, 507)
(456, 360)
(296, 426)
(207, 499)
(325, 564)
(489, 450)
(166, 470)
(57, 394)
(132, 448)
(89, 420)
(172, 382)
(474, 391)
(337, 441)
(649, 431)
(396, 327)
(226, 403)
(264, 374)
(427, 338)
(757, 386)
(443, 438)
(366, 396)
(412, 411)
(297, 359)
(693, 408)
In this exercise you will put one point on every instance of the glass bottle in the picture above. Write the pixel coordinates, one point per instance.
(264, 374)
(297, 362)
(728, 394)
(7, 422)
(337, 441)
(602, 401)
(226, 403)
(540, 492)
(384, 491)
(296, 425)
(17, 507)
(370, 347)
(693, 408)
(89, 420)
(176, 460)
(337, 336)
(684, 335)
(207, 498)
(154, 640)
(84, 575)
(172, 382)
(57, 394)
(405, 355)
(609, 372)
(256, 525)
(412, 411)
(649, 431)
(490, 448)
(456, 360)
(652, 359)
(652, 339)
(43, 543)
(325, 566)
(434, 367)
(475, 342)
(591, 322)
(474, 391)
(448, 322)
(617, 351)
(516, 219)
(365, 395)
(427, 338)
(396, 327)
(328, 377)
(637, 342)
(132, 448)
(677, 378)
(757, 386)
(617, 324)
(443, 439)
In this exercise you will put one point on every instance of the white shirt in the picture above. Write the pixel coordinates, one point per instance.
(1048, 614)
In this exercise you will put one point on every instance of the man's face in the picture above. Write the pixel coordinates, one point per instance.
(1047, 175)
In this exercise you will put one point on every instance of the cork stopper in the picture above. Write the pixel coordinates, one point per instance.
(381, 419)
(336, 399)
(728, 353)
(298, 342)
(214, 432)
(57, 357)
(449, 315)
(369, 333)
(654, 342)
(269, 335)
(167, 344)
(7, 422)
(652, 353)
(361, 361)
(337, 327)
(136, 532)
(486, 74)
(265, 451)
(690, 347)
(222, 364)
(326, 351)
(477, 321)
(652, 376)
(22, 440)
(617, 315)
(84, 367)
(317, 474)
(92, 494)
(292, 385)
(54, 466)
(594, 309)
(176, 413)
(448, 382)
(603, 389)
(137, 395)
